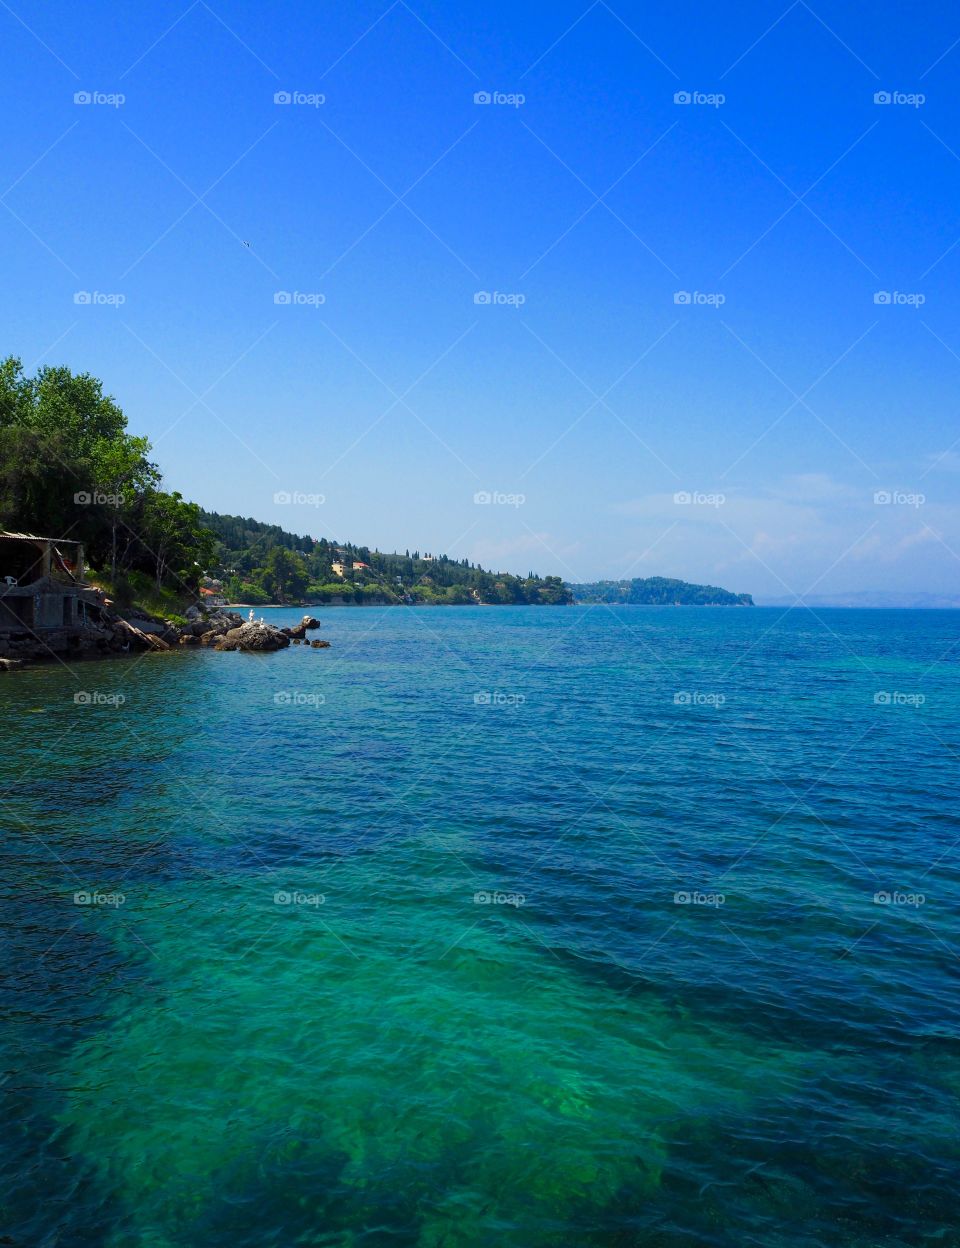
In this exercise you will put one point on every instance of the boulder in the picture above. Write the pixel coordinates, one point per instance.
(253, 637)
(225, 620)
(193, 614)
(188, 639)
(300, 630)
(129, 635)
(320, 645)
(147, 625)
(219, 623)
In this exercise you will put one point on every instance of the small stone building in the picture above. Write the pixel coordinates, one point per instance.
(42, 586)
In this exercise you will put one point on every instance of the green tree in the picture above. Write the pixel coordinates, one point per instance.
(174, 539)
(285, 573)
(120, 470)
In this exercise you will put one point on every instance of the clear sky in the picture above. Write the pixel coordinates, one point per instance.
(584, 199)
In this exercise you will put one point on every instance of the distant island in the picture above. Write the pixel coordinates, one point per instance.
(658, 591)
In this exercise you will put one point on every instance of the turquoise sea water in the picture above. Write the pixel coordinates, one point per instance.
(498, 926)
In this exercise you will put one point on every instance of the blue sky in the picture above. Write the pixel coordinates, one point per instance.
(587, 395)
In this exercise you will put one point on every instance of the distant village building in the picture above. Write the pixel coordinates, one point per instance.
(342, 566)
(211, 592)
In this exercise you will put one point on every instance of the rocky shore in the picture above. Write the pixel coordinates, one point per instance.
(107, 631)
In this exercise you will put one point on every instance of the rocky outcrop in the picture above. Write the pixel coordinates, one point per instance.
(107, 632)
(299, 631)
(253, 636)
(217, 624)
(130, 636)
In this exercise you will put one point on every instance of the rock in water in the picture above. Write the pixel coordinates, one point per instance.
(252, 636)
(300, 630)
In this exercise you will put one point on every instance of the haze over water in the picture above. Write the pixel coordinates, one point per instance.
(515, 926)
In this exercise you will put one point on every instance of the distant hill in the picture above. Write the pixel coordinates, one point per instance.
(659, 591)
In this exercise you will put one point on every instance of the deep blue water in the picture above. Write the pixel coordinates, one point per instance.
(586, 926)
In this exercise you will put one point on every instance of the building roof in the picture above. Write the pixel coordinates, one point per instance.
(32, 537)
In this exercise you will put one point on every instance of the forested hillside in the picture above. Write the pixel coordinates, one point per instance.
(262, 563)
(659, 591)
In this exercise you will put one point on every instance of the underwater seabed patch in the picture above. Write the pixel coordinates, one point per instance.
(468, 1089)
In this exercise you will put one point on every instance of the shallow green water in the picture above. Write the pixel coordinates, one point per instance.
(305, 1025)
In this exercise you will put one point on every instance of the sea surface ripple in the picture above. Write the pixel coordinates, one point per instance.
(516, 926)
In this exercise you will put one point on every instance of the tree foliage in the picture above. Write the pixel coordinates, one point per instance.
(70, 469)
(659, 591)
